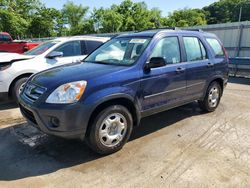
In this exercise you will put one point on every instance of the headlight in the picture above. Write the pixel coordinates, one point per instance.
(5, 66)
(67, 93)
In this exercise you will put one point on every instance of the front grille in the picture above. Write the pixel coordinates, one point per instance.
(28, 114)
(32, 92)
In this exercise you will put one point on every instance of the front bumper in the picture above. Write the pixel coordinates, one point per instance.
(4, 96)
(67, 121)
(5, 81)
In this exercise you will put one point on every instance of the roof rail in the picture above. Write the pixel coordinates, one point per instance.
(199, 30)
(170, 28)
(161, 28)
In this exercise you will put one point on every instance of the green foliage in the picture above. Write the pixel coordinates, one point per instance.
(13, 23)
(137, 16)
(106, 20)
(74, 16)
(186, 17)
(227, 11)
(45, 22)
(15, 15)
(30, 18)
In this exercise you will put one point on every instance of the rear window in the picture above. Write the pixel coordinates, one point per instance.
(5, 37)
(70, 49)
(216, 46)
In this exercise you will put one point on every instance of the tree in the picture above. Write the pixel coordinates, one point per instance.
(45, 22)
(227, 11)
(74, 16)
(186, 17)
(13, 23)
(127, 16)
(107, 20)
(137, 16)
(15, 15)
(30, 18)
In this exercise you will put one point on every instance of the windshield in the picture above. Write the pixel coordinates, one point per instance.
(41, 48)
(119, 51)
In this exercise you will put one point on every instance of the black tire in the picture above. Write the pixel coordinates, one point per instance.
(15, 91)
(206, 103)
(93, 139)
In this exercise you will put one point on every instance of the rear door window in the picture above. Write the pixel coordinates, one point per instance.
(195, 50)
(72, 48)
(91, 46)
(216, 46)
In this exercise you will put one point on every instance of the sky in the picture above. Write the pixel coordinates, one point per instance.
(165, 6)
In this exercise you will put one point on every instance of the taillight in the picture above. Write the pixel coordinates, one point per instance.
(25, 49)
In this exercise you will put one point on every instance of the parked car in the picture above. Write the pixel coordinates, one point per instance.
(15, 69)
(7, 44)
(130, 77)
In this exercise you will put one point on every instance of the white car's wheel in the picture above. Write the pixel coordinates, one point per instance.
(18, 87)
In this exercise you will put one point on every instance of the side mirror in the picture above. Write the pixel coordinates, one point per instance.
(155, 62)
(55, 54)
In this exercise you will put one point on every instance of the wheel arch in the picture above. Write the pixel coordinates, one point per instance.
(15, 80)
(219, 80)
(118, 100)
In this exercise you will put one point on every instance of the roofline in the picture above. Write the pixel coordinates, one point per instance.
(84, 37)
(89, 36)
(155, 31)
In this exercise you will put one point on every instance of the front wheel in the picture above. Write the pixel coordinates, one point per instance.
(18, 87)
(110, 130)
(212, 98)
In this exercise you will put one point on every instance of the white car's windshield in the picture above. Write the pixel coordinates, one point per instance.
(119, 51)
(41, 48)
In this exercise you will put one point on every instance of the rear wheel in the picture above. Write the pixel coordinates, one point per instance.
(18, 87)
(212, 98)
(110, 130)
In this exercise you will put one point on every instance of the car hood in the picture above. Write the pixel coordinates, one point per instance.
(73, 72)
(13, 57)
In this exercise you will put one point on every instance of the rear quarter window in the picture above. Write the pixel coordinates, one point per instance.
(216, 46)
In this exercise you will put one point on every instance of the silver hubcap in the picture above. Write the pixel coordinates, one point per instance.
(113, 130)
(21, 88)
(213, 97)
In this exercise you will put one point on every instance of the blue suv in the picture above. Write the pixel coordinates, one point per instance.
(130, 77)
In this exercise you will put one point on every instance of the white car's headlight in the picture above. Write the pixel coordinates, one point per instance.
(5, 66)
(67, 93)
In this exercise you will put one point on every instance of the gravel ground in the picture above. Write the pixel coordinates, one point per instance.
(178, 148)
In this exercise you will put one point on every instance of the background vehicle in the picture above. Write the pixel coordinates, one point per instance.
(14, 71)
(7, 44)
(130, 77)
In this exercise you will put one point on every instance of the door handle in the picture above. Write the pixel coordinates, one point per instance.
(180, 70)
(210, 65)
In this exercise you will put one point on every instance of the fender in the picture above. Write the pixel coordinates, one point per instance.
(209, 81)
(106, 95)
(17, 76)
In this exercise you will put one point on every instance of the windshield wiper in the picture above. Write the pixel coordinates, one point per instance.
(98, 62)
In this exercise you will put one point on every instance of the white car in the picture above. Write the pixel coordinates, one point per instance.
(15, 69)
